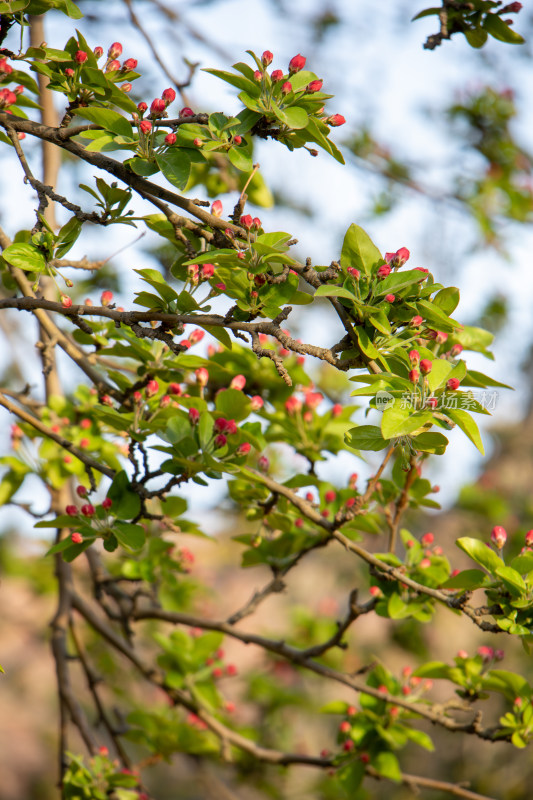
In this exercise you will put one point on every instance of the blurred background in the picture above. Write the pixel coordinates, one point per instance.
(438, 159)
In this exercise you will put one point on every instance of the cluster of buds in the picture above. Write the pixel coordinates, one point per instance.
(5, 68)
(197, 273)
(250, 223)
(7, 98)
(399, 258)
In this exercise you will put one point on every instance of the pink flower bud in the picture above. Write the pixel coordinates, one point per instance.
(425, 563)
(98, 51)
(427, 539)
(126, 87)
(486, 653)
(130, 63)
(202, 376)
(186, 112)
(194, 416)
(462, 654)
(137, 397)
(336, 120)
(256, 402)
(243, 449)
(432, 402)
(247, 221)
(425, 366)
(345, 727)
(217, 208)
(142, 106)
(258, 75)
(208, 270)
(169, 95)
(267, 58)
(76, 538)
(81, 491)
(456, 350)
(511, 8)
(164, 401)
(399, 258)
(231, 670)
(80, 57)
(238, 382)
(297, 63)
(174, 388)
(106, 297)
(221, 287)
(529, 539)
(170, 138)
(348, 745)
(453, 384)
(293, 405)
(66, 301)
(71, 511)
(286, 88)
(390, 298)
(196, 336)
(158, 106)
(498, 536)
(256, 224)
(113, 66)
(276, 76)
(237, 139)
(336, 411)
(417, 321)
(152, 388)
(88, 510)
(384, 271)
(115, 50)
(263, 463)
(220, 440)
(314, 86)
(145, 126)
(414, 375)
(107, 503)
(197, 142)
(441, 337)
(354, 272)
(330, 496)
(106, 400)
(69, 72)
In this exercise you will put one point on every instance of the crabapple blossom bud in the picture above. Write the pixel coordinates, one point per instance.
(126, 87)
(286, 88)
(197, 142)
(137, 397)
(202, 376)
(390, 298)
(170, 138)
(152, 388)
(130, 63)
(106, 297)
(85, 424)
(511, 8)
(196, 336)
(441, 337)
(453, 384)
(498, 536)
(158, 106)
(417, 321)
(256, 402)
(330, 496)
(217, 208)
(169, 95)
(462, 654)
(267, 58)
(71, 511)
(221, 287)
(425, 563)
(69, 283)
(165, 401)
(345, 726)
(98, 51)
(499, 655)
(80, 57)
(425, 366)
(238, 382)
(293, 405)
(263, 463)
(427, 539)
(276, 76)
(142, 106)
(258, 75)
(66, 301)
(414, 375)
(5, 68)
(145, 126)
(529, 539)
(297, 63)
(231, 670)
(456, 350)
(208, 270)
(336, 120)
(348, 745)
(115, 50)
(414, 357)
(384, 271)
(81, 491)
(220, 440)
(336, 411)
(246, 221)
(314, 86)
(486, 653)
(256, 223)
(88, 510)
(107, 503)
(432, 402)
(113, 66)
(243, 449)
(76, 538)
(174, 388)
(354, 272)
(194, 416)
(186, 112)
(309, 497)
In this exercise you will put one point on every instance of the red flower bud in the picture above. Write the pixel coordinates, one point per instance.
(354, 272)
(196, 336)
(107, 503)
(258, 75)
(69, 72)
(453, 384)
(441, 337)
(256, 402)
(158, 106)
(529, 538)
(220, 440)
(330, 496)
(66, 301)
(414, 375)
(417, 321)
(145, 126)
(286, 88)
(194, 416)
(398, 258)
(456, 350)
(345, 726)
(130, 63)
(202, 376)
(314, 86)
(238, 382)
(263, 463)
(71, 511)
(106, 297)
(384, 271)
(498, 536)
(142, 106)
(80, 57)
(186, 112)
(243, 449)
(76, 538)
(98, 51)
(217, 208)
(336, 411)
(336, 120)
(425, 366)
(427, 539)
(297, 63)
(276, 76)
(247, 221)
(256, 223)
(267, 58)
(113, 66)
(152, 388)
(126, 87)
(197, 142)
(237, 139)
(348, 745)
(169, 95)
(390, 298)
(208, 270)
(88, 510)
(115, 50)
(170, 138)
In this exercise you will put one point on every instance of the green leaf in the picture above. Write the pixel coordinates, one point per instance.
(334, 291)
(386, 764)
(358, 250)
(131, 536)
(498, 29)
(142, 167)
(25, 256)
(365, 437)
(512, 580)
(476, 38)
(241, 158)
(430, 443)
(109, 120)
(238, 81)
(295, 117)
(399, 280)
(467, 579)
(440, 371)
(233, 404)
(447, 299)
(467, 425)
(175, 165)
(398, 421)
(479, 552)
(67, 236)
(125, 502)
